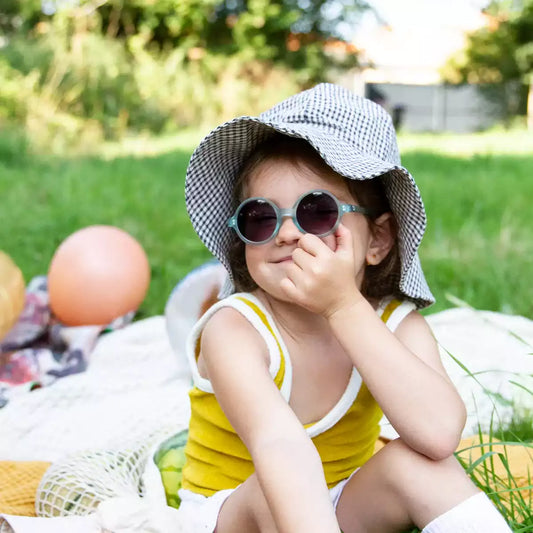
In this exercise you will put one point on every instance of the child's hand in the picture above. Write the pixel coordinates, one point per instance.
(320, 279)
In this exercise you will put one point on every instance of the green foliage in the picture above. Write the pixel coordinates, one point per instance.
(520, 427)
(487, 460)
(97, 69)
(499, 56)
(253, 29)
(475, 188)
(12, 105)
(13, 148)
(500, 51)
(488, 463)
(491, 473)
(17, 15)
(74, 89)
(169, 23)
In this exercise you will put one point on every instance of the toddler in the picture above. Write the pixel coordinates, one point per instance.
(318, 334)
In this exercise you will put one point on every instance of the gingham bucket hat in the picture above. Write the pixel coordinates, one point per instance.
(353, 135)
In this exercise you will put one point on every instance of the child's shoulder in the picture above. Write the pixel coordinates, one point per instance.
(225, 338)
(231, 320)
(413, 321)
(223, 319)
(414, 332)
(240, 308)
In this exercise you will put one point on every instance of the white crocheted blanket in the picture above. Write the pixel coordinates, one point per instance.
(137, 384)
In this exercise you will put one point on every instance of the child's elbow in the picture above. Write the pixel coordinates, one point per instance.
(445, 438)
(441, 448)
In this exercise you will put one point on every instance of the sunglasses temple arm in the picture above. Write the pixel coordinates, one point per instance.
(347, 208)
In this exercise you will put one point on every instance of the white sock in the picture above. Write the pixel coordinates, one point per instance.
(476, 514)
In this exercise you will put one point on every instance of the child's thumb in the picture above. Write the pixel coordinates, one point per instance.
(344, 239)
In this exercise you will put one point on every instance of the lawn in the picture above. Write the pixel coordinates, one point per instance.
(477, 189)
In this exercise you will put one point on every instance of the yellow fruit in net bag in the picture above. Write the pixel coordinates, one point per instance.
(12, 293)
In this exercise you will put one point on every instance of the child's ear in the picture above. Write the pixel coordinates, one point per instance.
(383, 231)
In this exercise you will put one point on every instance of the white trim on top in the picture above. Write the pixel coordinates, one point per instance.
(383, 305)
(399, 314)
(232, 301)
(340, 408)
(286, 385)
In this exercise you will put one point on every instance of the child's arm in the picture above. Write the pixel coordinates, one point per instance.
(406, 377)
(403, 371)
(288, 467)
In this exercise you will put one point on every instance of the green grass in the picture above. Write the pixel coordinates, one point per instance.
(489, 463)
(491, 472)
(520, 427)
(488, 460)
(477, 194)
(46, 199)
(477, 190)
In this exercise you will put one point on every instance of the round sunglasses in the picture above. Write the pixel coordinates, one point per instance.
(258, 220)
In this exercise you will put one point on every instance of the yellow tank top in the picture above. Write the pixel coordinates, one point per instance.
(217, 459)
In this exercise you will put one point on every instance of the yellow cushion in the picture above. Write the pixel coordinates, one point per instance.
(19, 481)
(492, 470)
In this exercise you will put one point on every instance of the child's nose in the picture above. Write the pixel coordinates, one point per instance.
(288, 231)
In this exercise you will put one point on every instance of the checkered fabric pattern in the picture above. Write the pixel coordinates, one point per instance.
(353, 135)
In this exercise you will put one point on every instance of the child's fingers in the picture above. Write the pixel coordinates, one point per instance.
(311, 244)
(302, 258)
(344, 239)
(290, 288)
(296, 274)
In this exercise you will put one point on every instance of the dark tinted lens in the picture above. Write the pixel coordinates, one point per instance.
(257, 220)
(317, 213)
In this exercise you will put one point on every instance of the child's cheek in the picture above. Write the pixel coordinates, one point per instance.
(253, 262)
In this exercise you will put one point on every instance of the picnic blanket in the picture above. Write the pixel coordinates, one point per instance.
(137, 381)
(38, 349)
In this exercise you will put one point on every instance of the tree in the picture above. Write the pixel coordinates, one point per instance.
(17, 13)
(289, 32)
(499, 56)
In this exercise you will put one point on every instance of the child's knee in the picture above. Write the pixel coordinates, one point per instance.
(404, 467)
(247, 510)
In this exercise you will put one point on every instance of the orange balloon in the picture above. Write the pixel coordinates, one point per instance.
(96, 275)
(12, 293)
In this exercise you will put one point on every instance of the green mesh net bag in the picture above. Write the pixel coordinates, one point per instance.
(148, 468)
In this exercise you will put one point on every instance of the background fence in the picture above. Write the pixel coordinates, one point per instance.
(435, 108)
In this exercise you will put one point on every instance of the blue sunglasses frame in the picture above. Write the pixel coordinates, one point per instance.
(280, 213)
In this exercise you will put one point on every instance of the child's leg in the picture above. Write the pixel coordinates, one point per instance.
(399, 488)
(246, 510)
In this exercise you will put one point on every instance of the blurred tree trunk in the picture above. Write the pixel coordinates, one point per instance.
(530, 107)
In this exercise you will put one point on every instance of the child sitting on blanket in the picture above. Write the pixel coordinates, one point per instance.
(318, 224)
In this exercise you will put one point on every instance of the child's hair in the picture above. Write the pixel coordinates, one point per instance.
(379, 280)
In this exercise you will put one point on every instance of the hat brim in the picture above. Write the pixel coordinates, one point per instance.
(218, 159)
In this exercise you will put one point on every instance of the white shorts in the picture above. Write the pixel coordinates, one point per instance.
(200, 513)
